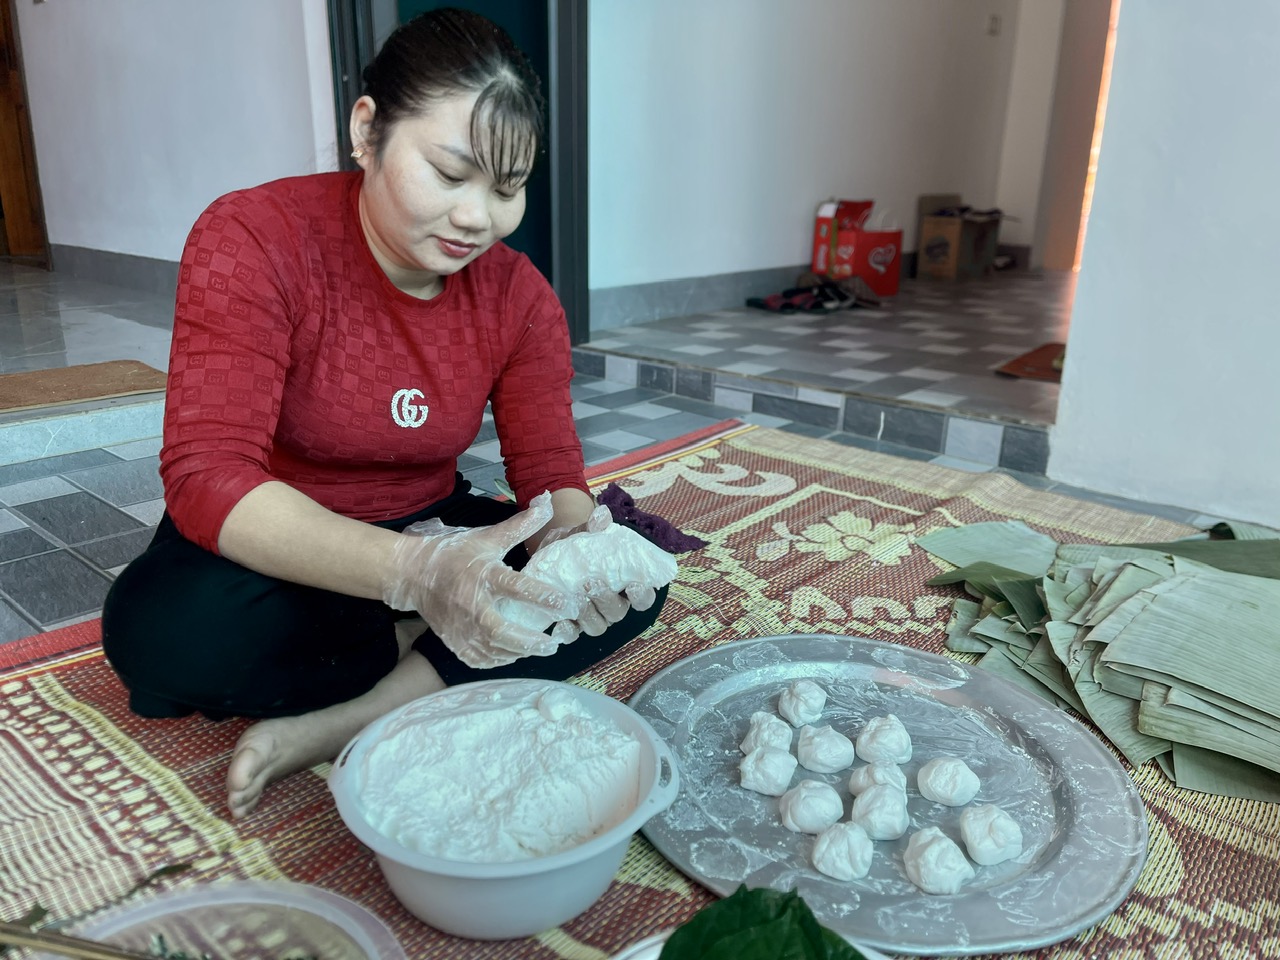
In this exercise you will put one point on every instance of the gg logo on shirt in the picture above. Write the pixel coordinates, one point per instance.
(405, 412)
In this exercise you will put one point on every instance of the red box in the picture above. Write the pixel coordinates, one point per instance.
(843, 247)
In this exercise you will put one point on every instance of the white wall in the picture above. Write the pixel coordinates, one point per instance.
(1170, 391)
(144, 111)
(717, 126)
(1037, 37)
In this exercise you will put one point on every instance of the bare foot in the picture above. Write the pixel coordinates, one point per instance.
(272, 749)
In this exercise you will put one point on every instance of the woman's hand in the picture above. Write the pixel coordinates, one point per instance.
(603, 607)
(454, 577)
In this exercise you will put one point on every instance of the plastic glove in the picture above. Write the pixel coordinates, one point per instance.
(455, 577)
(601, 606)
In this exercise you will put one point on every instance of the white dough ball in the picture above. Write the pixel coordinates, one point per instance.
(810, 807)
(934, 863)
(823, 749)
(766, 730)
(947, 780)
(881, 810)
(843, 851)
(990, 835)
(878, 771)
(884, 738)
(802, 703)
(767, 770)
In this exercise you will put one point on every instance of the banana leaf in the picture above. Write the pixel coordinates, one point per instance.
(1158, 718)
(964, 614)
(1207, 771)
(1207, 630)
(995, 661)
(1011, 543)
(1259, 558)
(999, 630)
(1045, 667)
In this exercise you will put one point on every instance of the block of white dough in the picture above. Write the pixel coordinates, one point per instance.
(802, 702)
(881, 810)
(884, 738)
(843, 851)
(934, 862)
(810, 807)
(767, 770)
(766, 730)
(878, 771)
(947, 780)
(823, 749)
(990, 835)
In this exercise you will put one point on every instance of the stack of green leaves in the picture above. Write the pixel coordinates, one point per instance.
(1170, 649)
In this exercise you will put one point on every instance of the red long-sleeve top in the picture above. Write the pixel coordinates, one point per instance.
(294, 358)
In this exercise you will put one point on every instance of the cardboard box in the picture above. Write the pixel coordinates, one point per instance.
(843, 247)
(957, 248)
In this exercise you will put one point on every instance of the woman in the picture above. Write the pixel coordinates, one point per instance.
(336, 339)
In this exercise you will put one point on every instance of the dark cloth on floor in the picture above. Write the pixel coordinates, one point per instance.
(187, 630)
(661, 531)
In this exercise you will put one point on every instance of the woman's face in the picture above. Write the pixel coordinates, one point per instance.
(426, 206)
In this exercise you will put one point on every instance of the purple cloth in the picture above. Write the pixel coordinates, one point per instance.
(661, 532)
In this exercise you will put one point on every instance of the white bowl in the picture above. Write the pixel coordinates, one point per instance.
(245, 918)
(499, 901)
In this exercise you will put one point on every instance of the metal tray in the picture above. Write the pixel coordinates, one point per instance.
(1083, 824)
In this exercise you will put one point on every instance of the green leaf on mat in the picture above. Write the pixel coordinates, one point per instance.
(1206, 771)
(995, 661)
(1019, 548)
(1207, 629)
(964, 614)
(1259, 558)
(1000, 630)
(1047, 668)
(760, 924)
(1160, 718)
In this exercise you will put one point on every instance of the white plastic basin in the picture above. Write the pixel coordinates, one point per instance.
(498, 901)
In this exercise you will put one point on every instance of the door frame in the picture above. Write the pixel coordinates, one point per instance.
(351, 40)
(26, 233)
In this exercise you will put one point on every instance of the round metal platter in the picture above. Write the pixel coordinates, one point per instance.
(1083, 824)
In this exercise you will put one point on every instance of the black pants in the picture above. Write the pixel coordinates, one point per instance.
(187, 630)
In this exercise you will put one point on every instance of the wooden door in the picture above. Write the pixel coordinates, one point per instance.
(19, 189)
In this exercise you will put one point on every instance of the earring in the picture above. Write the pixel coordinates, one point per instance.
(357, 153)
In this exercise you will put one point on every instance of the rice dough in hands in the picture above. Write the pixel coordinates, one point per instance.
(934, 862)
(823, 749)
(947, 780)
(810, 807)
(990, 835)
(455, 578)
(607, 567)
(766, 730)
(802, 702)
(843, 851)
(884, 738)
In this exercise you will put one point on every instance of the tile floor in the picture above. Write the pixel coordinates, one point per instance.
(933, 345)
(69, 523)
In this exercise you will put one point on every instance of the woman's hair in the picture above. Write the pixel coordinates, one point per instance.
(448, 52)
